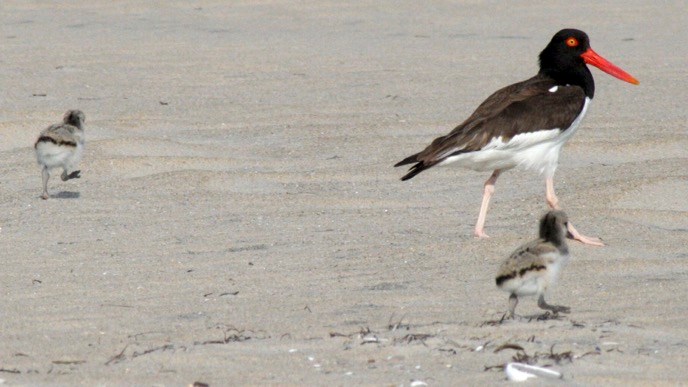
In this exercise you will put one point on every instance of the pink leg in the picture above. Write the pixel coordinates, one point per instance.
(553, 203)
(489, 190)
(552, 199)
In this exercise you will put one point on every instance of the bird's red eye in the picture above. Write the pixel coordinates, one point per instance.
(572, 42)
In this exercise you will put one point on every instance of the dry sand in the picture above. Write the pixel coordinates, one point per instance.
(239, 220)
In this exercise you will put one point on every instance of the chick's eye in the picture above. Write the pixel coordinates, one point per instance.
(572, 42)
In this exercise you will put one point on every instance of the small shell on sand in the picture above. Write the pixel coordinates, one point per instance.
(519, 372)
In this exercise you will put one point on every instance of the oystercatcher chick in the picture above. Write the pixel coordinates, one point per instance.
(61, 145)
(534, 267)
(525, 124)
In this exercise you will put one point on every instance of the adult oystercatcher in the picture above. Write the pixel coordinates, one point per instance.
(525, 124)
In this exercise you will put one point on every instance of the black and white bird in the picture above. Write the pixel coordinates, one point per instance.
(61, 145)
(535, 266)
(525, 124)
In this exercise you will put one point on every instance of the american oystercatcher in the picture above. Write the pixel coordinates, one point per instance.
(534, 267)
(61, 145)
(525, 124)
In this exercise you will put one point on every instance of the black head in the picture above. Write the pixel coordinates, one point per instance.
(562, 60)
(74, 118)
(565, 58)
(553, 227)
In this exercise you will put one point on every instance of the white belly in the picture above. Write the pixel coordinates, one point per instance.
(52, 155)
(537, 151)
(536, 283)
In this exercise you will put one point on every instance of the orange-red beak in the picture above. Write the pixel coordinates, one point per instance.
(591, 57)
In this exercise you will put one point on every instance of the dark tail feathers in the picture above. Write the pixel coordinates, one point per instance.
(409, 160)
(416, 169)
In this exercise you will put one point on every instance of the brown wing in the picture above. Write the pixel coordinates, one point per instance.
(523, 107)
(60, 134)
(524, 259)
(531, 250)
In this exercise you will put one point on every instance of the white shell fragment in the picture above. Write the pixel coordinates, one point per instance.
(519, 372)
(370, 339)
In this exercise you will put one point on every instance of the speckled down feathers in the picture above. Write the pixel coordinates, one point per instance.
(532, 257)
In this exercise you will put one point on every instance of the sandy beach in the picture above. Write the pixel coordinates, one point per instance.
(239, 222)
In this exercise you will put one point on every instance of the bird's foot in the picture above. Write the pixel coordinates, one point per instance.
(480, 234)
(45, 196)
(592, 241)
(73, 175)
(586, 240)
(560, 309)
